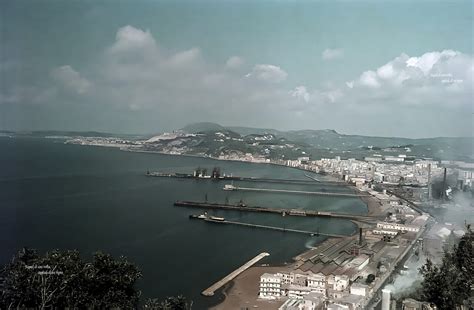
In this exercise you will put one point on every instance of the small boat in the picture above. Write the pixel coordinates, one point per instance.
(229, 187)
(200, 216)
(216, 218)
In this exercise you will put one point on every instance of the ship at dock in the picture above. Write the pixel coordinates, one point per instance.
(229, 187)
(207, 217)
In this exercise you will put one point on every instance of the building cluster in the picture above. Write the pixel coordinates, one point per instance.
(417, 172)
(306, 290)
(247, 157)
(344, 273)
(103, 141)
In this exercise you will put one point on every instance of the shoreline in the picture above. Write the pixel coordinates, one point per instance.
(373, 205)
(126, 149)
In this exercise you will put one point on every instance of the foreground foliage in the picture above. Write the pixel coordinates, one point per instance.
(451, 284)
(61, 279)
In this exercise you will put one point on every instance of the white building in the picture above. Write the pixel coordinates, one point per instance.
(359, 289)
(270, 286)
(336, 306)
(340, 282)
(397, 226)
(317, 283)
(385, 232)
(298, 291)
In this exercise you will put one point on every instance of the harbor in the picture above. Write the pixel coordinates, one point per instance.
(210, 291)
(229, 187)
(215, 175)
(280, 211)
(220, 220)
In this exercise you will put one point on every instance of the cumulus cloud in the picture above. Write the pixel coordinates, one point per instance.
(185, 58)
(234, 62)
(330, 54)
(428, 74)
(268, 73)
(129, 38)
(300, 92)
(71, 79)
(369, 79)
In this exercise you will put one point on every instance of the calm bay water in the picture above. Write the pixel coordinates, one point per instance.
(54, 195)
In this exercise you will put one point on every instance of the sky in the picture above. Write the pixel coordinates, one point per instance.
(383, 68)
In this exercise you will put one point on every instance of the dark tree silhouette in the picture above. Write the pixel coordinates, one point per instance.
(61, 279)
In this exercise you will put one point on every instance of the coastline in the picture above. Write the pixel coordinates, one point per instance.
(373, 205)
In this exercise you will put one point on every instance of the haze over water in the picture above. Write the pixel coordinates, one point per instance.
(54, 195)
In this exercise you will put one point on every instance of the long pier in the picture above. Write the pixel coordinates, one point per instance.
(210, 291)
(318, 193)
(306, 232)
(313, 180)
(283, 212)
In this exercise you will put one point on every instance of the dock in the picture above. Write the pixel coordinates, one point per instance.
(306, 232)
(313, 180)
(283, 212)
(318, 193)
(210, 291)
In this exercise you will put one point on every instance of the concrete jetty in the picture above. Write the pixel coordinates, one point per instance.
(306, 232)
(210, 291)
(313, 180)
(283, 212)
(272, 190)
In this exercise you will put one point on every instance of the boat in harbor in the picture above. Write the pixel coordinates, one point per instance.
(199, 216)
(229, 187)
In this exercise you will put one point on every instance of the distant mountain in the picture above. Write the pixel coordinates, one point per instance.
(212, 139)
(250, 131)
(202, 127)
(326, 142)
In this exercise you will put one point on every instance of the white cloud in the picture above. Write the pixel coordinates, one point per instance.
(234, 62)
(71, 79)
(300, 92)
(369, 79)
(426, 62)
(426, 71)
(129, 38)
(185, 58)
(269, 73)
(330, 54)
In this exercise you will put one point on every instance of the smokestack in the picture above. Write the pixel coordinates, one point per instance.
(443, 194)
(429, 182)
(360, 235)
(385, 299)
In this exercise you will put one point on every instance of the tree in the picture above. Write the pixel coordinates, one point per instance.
(170, 303)
(61, 279)
(449, 285)
(370, 278)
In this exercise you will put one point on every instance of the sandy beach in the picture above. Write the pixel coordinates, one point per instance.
(373, 206)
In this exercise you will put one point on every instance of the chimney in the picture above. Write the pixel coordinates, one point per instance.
(443, 194)
(360, 236)
(385, 299)
(429, 182)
